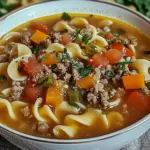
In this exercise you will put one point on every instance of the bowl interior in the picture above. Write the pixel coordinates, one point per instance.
(112, 10)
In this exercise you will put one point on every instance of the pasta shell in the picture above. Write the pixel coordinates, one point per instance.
(79, 22)
(74, 50)
(114, 103)
(105, 23)
(23, 50)
(12, 69)
(100, 41)
(6, 92)
(88, 118)
(44, 114)
(70, 131)
(142, 66)
(57, 47)
(132, 48)
(10, 35)
(6, 103)
(115, 120)
(94, 32)
(61, 26)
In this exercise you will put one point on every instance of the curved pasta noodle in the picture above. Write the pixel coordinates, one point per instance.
(6, 92)
(105, 22)
(10, 35)
(142, 66)
(100, 41)
(64, 108)
(132, 48)
(44, 113)
(114, 103)
(79, 22)
(70, 131)
(11, 107)
(12, 69)
(61, 26)
(23, 50)
(74, 50)
(57, 47)
(115, 120)
(88, 118)
(94, 32)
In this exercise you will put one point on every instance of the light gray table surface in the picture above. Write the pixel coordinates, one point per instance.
(143, 143)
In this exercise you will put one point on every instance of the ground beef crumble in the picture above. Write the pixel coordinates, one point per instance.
(17, 89)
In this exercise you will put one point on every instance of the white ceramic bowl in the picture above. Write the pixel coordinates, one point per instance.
(111, 141)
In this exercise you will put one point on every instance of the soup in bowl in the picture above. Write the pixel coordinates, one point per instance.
(73, 76)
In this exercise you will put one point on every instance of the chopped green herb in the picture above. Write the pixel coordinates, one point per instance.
(46, 81)
(66, 16)
(35, 49)
(109, 74)
(86, 38)
(115, 33)
(65, 55)
(53, 66)
(85, 71)
(59, 56)
(73, 104)
(111, 41)
(103, 112)
(77, 35)
(125, 63)
(2, 78)
(76, 65)
(65, 31)
(42, 58)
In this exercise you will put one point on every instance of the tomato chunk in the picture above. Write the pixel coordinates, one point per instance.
(123, 49)
(31, 68)
(138, 101)
(109, 36)
(65, 39)
(39, 26)
(113, 56)
(32, 92)
(99, 60)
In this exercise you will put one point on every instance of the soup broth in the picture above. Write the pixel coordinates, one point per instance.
(72, 76)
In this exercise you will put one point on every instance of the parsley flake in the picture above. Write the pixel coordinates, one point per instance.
(85, 71)
(2, 78)
(42, 58)
(73, 104)
(66, 16)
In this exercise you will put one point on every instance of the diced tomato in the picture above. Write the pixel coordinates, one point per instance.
(138, 101)
(32, 92)
(65, 39)
(39, 26)
(31, 68)
(109, 36)
(113, 56)
(129, 53)
(98, 60)
(123, 49)
(117, 46)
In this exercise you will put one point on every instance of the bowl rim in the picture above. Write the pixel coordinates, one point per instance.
(77, 141)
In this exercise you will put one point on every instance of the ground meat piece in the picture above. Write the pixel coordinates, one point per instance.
(117, 77)
(17, 89)
(42, 127)
(61, 69)
(75, 73)
(86, 30)
(67, 77)
(92, 99)
(104, 81)
(120, 92)
(104, 99)
(46, 43)
(3, 58)
(112, 93)
(124, 40)
(25, 39)
(98, 87)
(56, 37)
(26, 112)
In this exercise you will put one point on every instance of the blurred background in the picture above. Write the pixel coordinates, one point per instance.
(143, 6)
